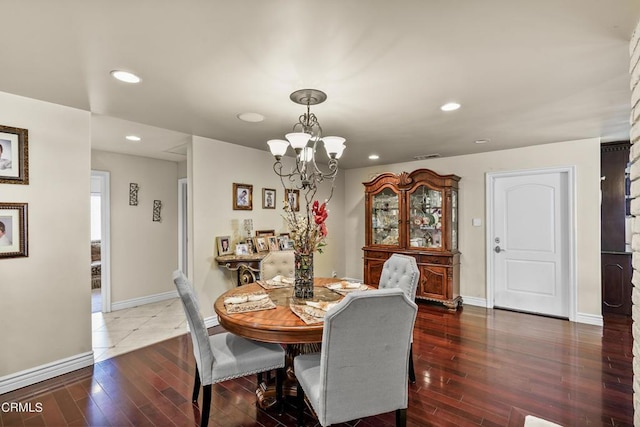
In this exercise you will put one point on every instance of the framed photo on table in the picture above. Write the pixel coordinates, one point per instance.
(242, 196)
(272, 241)
(14, 155)
(268, 198)
(13, 230)
(224, 245)
(261, 244)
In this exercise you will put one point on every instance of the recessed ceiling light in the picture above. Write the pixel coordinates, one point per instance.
(125, 76)
(133, 138)
(374, 157)
(450, 106)
(481, 141)
(251, 117)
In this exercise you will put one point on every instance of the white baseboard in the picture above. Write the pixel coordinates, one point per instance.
(589, 319)
(479, 302)
(44, 372)
(130, 303)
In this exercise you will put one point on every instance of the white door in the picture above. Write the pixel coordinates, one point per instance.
(529, 242)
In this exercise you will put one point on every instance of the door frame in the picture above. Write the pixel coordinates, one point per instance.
(490, 179)
(105, 231)
(183, 234)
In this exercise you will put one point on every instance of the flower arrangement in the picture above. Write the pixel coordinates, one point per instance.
(307, 231)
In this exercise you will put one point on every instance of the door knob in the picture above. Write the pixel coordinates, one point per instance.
(498, 249)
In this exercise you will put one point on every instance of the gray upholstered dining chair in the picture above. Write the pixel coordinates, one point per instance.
(224, 356)
(401, 271)
(361, 369)
(277, 263)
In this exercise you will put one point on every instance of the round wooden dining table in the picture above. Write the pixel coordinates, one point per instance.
(277, 325)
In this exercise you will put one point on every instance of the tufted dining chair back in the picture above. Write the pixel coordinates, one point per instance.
(401, 271)
(277, 263)
(361, 369)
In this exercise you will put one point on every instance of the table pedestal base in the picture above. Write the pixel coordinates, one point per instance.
(266, 392)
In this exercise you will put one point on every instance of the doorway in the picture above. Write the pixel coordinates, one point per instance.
(183, 227)
(100, 234)
(530, 241)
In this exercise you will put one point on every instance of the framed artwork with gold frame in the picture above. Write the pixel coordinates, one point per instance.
(293, 197)
(242, 196)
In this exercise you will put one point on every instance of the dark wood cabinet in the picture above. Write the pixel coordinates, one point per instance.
(616, 269)
(616, 283)
(415, 214)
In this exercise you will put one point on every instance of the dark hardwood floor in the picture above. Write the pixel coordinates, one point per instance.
(472, 368)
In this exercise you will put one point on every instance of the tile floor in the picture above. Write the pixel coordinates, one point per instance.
(125, 330)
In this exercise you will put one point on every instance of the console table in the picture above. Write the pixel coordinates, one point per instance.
(247, 266)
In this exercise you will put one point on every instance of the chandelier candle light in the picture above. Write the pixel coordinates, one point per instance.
(307, 228)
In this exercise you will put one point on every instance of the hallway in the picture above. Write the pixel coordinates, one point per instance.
(125, 330)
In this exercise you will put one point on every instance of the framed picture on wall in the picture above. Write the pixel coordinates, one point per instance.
(14, 155)
(293, 198)
(13, 230)
(242, 197)
(268, 198)
(224, 245)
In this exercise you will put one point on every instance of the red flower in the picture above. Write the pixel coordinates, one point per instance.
(320, 213)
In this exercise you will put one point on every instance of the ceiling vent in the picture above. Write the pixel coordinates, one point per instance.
(427, 156)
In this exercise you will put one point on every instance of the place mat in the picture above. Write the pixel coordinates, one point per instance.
(247, 305)
(308, 314)
(273, 284)
(343, 288)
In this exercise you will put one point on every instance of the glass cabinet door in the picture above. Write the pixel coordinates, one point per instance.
(425, 218)
(454, 220)
(384, 218)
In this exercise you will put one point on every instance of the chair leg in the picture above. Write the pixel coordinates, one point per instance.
(196, 387)
(412, 372)
(206, 405)
(300, 398)
(401, 417)
(279, 395)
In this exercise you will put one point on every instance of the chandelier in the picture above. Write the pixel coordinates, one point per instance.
(305, 140)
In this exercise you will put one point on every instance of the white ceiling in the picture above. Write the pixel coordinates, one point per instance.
(526, 72)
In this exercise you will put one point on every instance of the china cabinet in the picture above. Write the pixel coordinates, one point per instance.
(415, 214)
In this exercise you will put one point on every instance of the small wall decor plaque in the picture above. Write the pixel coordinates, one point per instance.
(133, 194)
(157, 206)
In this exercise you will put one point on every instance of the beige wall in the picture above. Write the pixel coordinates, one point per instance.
(144, 253)
(584, 154)
(182, 169)
(213, 168)
(45, 303)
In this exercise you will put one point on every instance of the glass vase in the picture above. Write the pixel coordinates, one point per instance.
(303, 287)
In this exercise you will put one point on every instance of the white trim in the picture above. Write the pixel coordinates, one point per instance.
(571, 230)
(182, 222)
(105, 250)
(44, 372)
(135, 302)
(212, 321)
(475, 301)
(589, 319)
